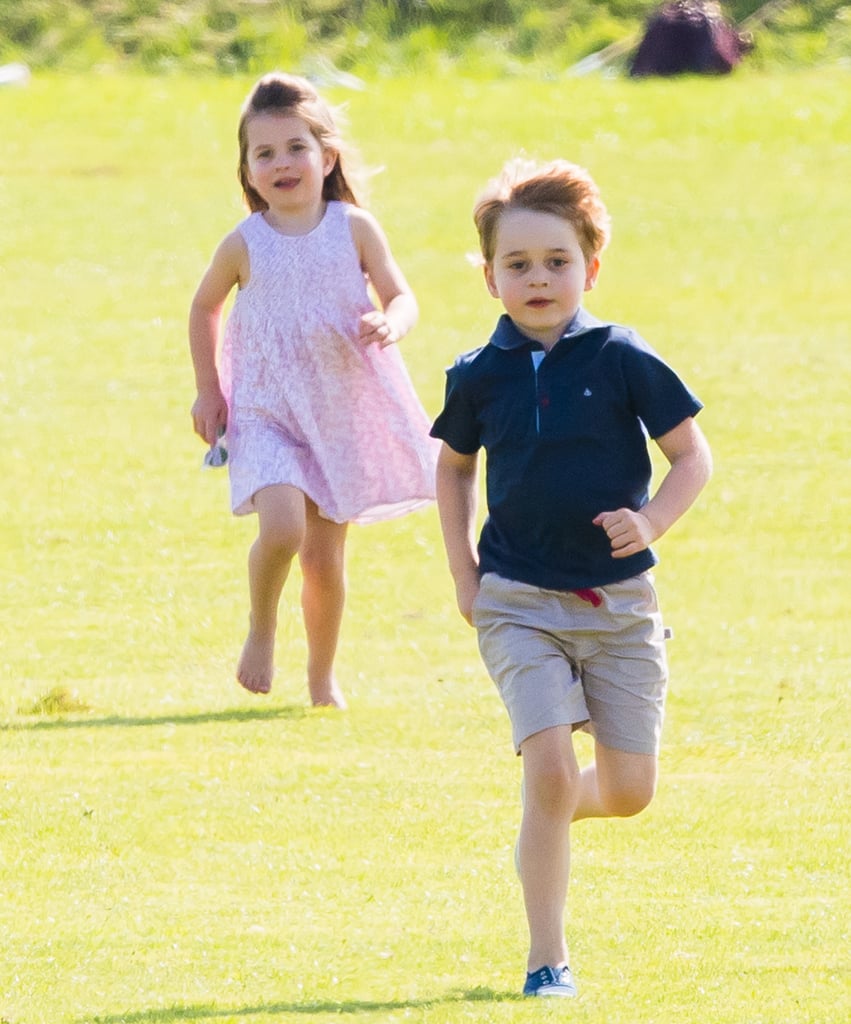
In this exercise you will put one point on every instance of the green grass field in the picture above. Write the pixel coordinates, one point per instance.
(174, 850)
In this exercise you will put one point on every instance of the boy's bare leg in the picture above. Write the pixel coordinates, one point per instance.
(551, 781)
(323, 598)
(616, 785)
(281, 517)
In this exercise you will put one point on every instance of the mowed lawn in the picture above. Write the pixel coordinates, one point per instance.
(175, 850)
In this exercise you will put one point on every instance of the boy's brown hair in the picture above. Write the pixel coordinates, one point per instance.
(559, 187)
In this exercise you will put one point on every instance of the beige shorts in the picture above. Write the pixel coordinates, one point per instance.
(558, 660)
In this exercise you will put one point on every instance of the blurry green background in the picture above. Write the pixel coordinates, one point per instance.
(368, 37)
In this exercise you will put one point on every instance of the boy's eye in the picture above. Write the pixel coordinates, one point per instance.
(517, 265)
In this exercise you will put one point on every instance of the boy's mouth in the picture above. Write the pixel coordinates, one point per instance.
(539, 303)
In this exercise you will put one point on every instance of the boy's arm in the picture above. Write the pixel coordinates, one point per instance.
(457, 502)
(687, 451)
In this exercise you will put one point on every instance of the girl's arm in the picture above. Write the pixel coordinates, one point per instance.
(456, 503)
(228, 267)
(687, 451)
(399, 311)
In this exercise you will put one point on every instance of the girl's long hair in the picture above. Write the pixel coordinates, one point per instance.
(290, 95)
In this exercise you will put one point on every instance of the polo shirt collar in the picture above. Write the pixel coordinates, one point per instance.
(508, 336)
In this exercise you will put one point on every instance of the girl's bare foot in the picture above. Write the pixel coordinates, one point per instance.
(256, 663)
(327, 695)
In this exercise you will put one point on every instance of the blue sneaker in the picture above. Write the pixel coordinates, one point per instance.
(550, 981)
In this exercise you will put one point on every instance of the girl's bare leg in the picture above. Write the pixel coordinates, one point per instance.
(323, 597)
(281, 514)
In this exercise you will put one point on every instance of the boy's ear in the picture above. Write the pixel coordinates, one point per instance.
(592, 269)
(490, 281)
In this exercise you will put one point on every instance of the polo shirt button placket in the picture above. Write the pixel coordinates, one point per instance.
(543, 405)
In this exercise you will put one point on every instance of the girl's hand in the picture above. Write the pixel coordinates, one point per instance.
(628, 531)
(210, 414)
(376, 329)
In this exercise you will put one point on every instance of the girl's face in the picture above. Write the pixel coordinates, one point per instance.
(539, 272)
(285, 163)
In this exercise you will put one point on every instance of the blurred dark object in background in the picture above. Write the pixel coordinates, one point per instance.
(689, 37)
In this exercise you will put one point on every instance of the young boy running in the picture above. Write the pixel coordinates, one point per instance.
(559, 585)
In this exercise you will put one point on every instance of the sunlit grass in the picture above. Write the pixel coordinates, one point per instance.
(173, 850)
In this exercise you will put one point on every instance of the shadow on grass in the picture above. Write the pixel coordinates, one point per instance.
(290, 711)
(207, 1012)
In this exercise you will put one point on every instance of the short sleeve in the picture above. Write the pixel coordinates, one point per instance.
(659, 397)
(457, 423)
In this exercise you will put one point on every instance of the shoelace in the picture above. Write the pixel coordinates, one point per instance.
(548, 975)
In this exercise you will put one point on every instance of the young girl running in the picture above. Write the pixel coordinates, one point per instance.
(323, 426)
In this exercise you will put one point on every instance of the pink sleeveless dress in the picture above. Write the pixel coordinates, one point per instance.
(308, 404)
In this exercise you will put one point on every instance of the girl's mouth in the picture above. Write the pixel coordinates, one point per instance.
(286, 183)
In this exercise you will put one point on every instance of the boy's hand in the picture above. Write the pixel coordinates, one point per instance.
(466, 590)
(210, 414)
(628, 531)
(376, 329)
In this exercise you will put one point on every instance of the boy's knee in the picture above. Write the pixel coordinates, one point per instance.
(628, 799)
(626, 783)
(554, 788)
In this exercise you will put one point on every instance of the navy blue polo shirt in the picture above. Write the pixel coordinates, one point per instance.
(565, 433)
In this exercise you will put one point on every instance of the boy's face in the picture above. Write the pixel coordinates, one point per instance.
(539, 272)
